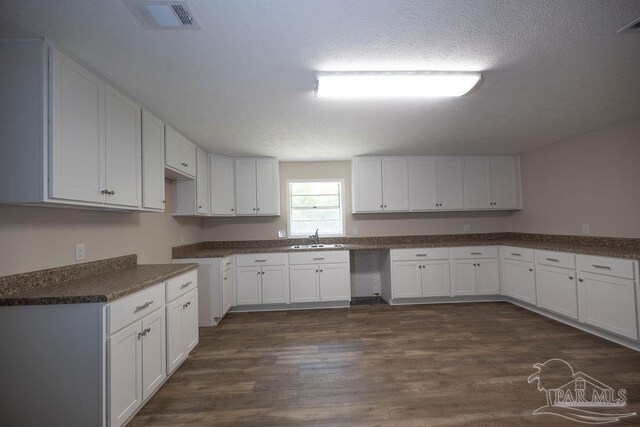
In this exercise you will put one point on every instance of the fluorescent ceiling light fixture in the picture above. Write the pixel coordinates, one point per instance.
(421, 84)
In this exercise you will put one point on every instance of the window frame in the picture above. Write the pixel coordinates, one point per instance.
(342, 207)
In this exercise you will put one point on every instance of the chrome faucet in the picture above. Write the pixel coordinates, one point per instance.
(315, 237)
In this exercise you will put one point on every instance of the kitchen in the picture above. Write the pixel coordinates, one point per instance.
(157, 232)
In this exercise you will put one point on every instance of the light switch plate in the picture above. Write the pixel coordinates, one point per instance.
(80, 252)
(354, 231)
(585, 229)
(282, 233)
(466, 228)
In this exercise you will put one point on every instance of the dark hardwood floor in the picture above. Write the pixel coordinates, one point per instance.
(420, 365)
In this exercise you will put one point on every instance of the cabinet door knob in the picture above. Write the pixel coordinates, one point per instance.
(419, 266)
(164, 202)
(570, 277)
(580, 280)
(320, 270)
(263, 272)
(531, 269)
(385, 206)
(380, 205)
(232, 210)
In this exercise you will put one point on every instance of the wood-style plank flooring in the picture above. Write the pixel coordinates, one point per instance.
(370, 365)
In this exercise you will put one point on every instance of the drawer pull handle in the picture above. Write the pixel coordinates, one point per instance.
(185, 285)
(187, 304)
(515, 254)
(143, 306)
(421, 254)
(602, 267)
(553, 259)
(261, 260)
(318, 259)
(228, 263)
(476, 253)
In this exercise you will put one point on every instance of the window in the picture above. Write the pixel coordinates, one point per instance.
(315, 205)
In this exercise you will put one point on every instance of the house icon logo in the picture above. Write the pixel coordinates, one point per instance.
(576, 395)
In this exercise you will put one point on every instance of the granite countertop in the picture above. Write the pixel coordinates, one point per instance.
(98, 288)
(600, 250)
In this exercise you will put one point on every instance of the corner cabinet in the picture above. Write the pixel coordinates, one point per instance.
(79, 139)
(257, 187)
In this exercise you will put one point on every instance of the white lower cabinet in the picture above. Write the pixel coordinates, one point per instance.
(125, 373)
(474, 277)
(319, 276)
(556, 290)
(182, 328)
(262, 285)
(412, 279)
(304, 283)
(519, 280)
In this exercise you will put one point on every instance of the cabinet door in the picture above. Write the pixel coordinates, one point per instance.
(422, 183)
(154, 353)
(304, 283)
(608, 303)
(78, 132)
(449, 183)
(435, 279)
(123, 150)
(227, 290)
(175, 342)
(173, 140)
(202, 182)
(275, 285)
(334, 282)
(463, 277)
(487, 277)
(267, 187)
(125, 373)
(245, 186)
(152, 162)
(407, 279)
(477, 182)
(190, 335)
(395, 184)
(556, 290)
(188, 156)
(504, 182)
(367, 184)
(223, 199)
(518, 280)
(248, 286)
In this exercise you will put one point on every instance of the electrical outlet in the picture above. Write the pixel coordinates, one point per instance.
(466, 228)
(585, 229)
(354, 231)
(282, 233)
(80, 253)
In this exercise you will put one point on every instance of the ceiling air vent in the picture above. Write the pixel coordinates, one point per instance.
(634, 27)
(163, 15)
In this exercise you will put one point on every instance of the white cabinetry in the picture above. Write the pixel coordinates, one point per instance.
(556, 283)
(420, 273)
(180, 155)
(380, 184)
(182, 318)
(435, 183)
(193, 194)
(474, 271)
(222, 185)
(319, 276)
(257, 185)
(607, 294)
(491, 182)
(262, 279)
(518, 275)
(152, 162)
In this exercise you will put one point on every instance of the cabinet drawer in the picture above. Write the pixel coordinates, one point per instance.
(134, 307)
(181, 285)
(227, 263)
(320, 257)
(608, 266)
(250, 260)
(518, 254)
(474, 252)
(419, 254)
(556, 259)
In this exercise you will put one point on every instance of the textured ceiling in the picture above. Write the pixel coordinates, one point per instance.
(243, 85)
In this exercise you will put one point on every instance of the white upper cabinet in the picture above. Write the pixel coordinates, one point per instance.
(222, 185)
(380, 184)
(491, 182)
(202, 182)
(123, 150)
(152, 162)
(180, 154)
(257, 185)
(435, 183)
(77, 132)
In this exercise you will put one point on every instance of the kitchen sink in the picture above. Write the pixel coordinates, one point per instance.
(319, 246)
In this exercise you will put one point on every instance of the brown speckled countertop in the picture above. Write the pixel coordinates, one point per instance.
(609, 247)
(103, 286)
